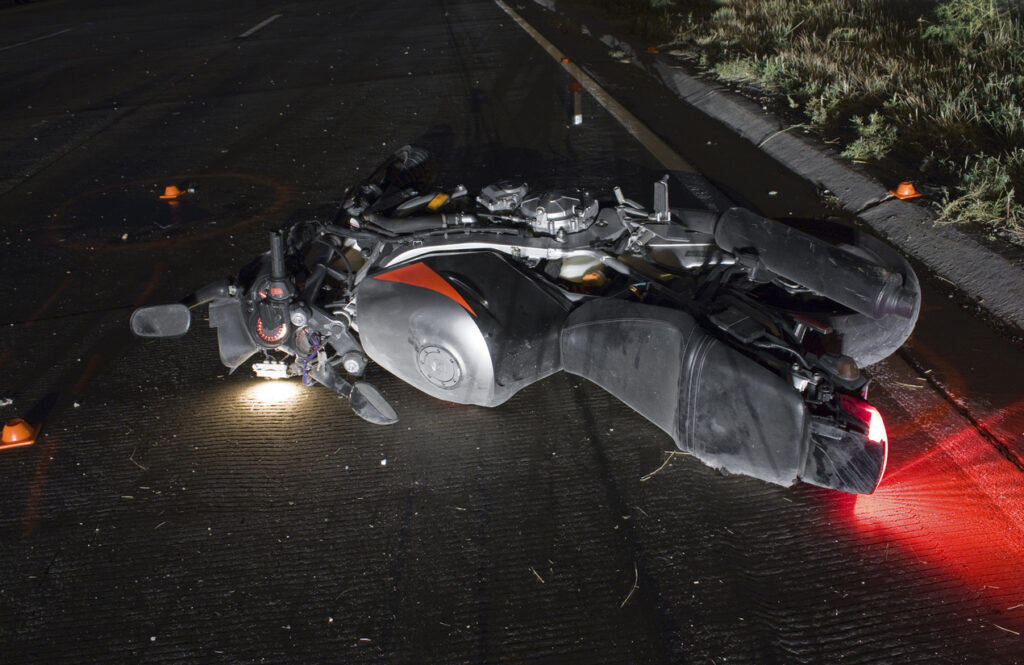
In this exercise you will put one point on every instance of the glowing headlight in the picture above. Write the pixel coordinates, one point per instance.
(272, 392)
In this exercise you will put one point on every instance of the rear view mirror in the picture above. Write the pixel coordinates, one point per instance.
(161, 321)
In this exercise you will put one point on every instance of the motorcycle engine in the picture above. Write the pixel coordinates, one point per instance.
(558, 214)
(552, 212)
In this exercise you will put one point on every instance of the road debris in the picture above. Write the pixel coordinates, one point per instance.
(636, 581)
(131, 458)
(671, 454)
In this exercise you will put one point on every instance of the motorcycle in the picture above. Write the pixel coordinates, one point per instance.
(741, 337)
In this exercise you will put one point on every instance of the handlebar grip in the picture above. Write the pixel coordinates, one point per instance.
(277, 271)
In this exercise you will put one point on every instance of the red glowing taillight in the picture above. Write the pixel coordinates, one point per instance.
(870, 416)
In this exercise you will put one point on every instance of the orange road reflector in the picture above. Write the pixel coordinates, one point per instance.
(905, 191)
(170, 193)
(17, 433)
(565, 61)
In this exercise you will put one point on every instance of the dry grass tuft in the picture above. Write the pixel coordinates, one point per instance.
(941, 83)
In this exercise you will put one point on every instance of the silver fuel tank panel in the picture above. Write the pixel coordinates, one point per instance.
(470, 328)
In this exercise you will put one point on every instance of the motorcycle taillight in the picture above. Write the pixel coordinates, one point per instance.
(870, 416)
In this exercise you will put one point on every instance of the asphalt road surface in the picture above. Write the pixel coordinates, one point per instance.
(172, 513)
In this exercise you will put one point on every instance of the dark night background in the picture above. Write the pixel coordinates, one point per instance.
(171, 513)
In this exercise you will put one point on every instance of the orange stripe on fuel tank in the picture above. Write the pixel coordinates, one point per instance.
(425, 277)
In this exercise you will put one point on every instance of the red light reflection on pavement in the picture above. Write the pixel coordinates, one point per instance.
(958, 507)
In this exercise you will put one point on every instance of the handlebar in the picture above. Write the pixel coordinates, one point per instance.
(277, 271)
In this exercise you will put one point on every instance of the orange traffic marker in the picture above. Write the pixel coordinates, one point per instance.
(170, 193)
(905, 191)
(18, 433)
(565, 61)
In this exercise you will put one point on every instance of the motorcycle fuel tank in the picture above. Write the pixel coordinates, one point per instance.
(470, 328)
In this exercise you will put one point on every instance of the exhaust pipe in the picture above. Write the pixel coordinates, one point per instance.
(830, 271)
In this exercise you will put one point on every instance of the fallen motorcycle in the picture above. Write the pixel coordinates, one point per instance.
(741, 337)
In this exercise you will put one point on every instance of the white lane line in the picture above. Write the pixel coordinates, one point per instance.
(668, 157)
(37, 39)
(259, 26)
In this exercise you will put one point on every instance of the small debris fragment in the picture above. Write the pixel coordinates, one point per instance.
(7, 401)
(671, 454)
(537, 575)
(636, 581)
(131, 458)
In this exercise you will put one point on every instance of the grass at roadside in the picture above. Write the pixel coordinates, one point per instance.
(936, 85)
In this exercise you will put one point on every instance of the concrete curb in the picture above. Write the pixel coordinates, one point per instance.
(994, 282)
